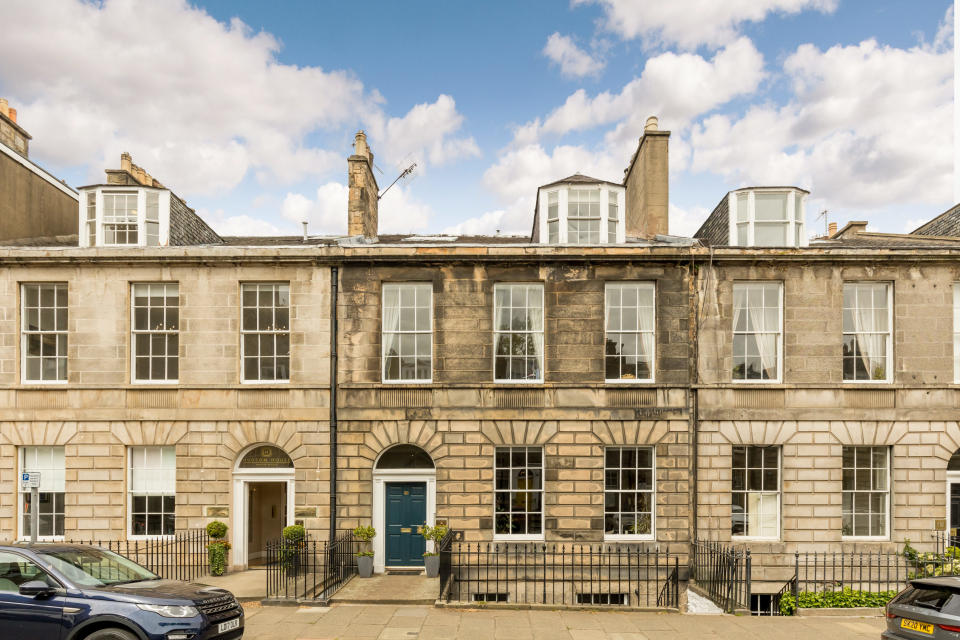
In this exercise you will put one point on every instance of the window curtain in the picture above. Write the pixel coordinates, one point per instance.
(870, 342)
(391, 323)
(766, 343)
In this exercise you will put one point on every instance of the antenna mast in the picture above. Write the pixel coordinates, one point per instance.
(826, 223)
(406, 172)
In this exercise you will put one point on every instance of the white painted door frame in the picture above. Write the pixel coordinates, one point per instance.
(953, 477)
(380, 479)
(241, 504)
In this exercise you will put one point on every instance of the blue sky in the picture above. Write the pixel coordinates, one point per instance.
(248, 109)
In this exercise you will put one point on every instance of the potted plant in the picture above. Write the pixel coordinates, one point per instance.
(217, 547)
(431, 559)
(365, 558)
(291, 547)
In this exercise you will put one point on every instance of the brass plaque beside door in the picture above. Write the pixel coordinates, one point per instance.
(405, 530)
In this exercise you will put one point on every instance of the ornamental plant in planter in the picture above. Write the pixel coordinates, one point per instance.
(291, 548)
(431, 559)
(217, 547)
(365, 558)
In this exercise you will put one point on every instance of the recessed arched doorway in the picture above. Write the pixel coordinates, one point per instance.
(263, 499)
(953, 497)
(404, 499)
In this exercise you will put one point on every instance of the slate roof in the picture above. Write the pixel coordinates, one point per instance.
(945, 224)
(579, 178)
(715, 229)
(870, 240)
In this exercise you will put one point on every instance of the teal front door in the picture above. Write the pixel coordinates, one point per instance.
(406, 512)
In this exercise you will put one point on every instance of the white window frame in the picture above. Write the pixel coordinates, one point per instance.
(956, 332)
(134, 332)
(794, 217)
(399, 286)
(779, 500)
(887, 502)
(258, 332)
(889, 333)
(24, 333)
(131, 450)
(521, 537)
(633, 537)
(21, 492)
(734, 332)
(608, 192)
(496, 332)
(555, 195)
(653, 332)
(94, 196)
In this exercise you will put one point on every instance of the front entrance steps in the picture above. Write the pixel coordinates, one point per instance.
(389, 589)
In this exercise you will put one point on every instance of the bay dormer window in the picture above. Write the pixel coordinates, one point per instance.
(121, 216)
(767, 217)
(581, 211)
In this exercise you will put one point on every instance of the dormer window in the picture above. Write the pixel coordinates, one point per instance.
(116, 216)
(767, 217)
(581, 210)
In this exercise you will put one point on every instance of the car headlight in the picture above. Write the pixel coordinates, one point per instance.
(170, 610)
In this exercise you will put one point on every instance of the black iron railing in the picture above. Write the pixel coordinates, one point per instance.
(724, 573)
(872, 571)
(310, 569)
(571, 575)
(182, 556)
(943, 540)
(445, 553)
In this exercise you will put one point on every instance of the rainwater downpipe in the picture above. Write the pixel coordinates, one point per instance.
(334, 281)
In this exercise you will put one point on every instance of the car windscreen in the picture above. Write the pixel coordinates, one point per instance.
(928, 597)
(96, 567)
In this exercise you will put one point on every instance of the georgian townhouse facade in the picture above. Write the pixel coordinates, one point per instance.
(597, 381)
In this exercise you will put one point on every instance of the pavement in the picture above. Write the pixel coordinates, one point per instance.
(422, 622)
(389, 589)
(245, 585)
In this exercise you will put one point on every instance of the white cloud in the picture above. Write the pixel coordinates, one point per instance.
(866, 127)
(239, 225)
(326, 212)
(677, 87)
(425, 133)
(685, 222)
(689, 24)
(574, 61)
(199, 103)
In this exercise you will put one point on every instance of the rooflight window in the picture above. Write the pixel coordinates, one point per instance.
(767, 218)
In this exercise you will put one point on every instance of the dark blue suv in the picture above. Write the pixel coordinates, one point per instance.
(55, 591)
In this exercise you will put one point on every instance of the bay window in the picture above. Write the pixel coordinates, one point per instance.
(767, 217)
(581, 212)
(124, 216)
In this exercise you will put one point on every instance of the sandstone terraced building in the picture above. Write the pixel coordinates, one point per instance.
(597, 381)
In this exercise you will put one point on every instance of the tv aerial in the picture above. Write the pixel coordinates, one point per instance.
(409, 165)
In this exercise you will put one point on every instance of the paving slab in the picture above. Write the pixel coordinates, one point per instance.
(405, 622)
(389, 589)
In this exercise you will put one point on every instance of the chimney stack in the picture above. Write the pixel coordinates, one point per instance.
(363, 191)
(647, 184)
(11, 133)
(831, 229)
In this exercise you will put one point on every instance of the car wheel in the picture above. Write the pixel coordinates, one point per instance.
(111, 634)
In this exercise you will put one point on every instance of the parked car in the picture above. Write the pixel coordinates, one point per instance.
(928, 608)
(77, 592)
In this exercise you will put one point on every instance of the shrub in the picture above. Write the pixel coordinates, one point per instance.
(365, 535)
(217, 530)
(846, 599)
(294, 533)
(217, 556)
(436, 534)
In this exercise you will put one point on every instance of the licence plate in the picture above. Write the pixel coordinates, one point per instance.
(914, 625)
(235, 623)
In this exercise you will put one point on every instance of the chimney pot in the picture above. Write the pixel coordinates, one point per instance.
(304, 223)
(831, 229)
(652, 124)
(12, 114)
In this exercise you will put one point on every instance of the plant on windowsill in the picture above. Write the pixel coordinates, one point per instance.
(292, 548)
(217, 547)
(365, 558)
(431, 559)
